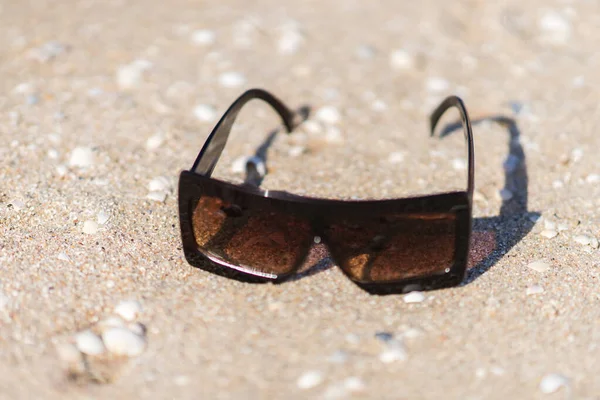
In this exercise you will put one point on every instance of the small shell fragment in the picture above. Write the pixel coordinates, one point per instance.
(310, 379)
(552, 382)
(539, 266)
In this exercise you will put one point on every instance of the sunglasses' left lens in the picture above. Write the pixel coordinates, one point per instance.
(262, 242)
(394, 247)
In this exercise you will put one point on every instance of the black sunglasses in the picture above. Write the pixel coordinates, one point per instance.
(384, 246)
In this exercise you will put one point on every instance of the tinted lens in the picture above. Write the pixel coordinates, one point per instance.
(263, 242)
(392, 248)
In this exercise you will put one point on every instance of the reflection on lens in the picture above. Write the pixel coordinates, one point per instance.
(394, 248)
(264, 242)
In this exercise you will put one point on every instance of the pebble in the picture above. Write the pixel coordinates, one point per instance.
(414, 297)
(394, 351)
(555, 28)
(551, 225)
(102, 217)
(231, 79)
(309, 380)
(562, 226)
(534, 289)
(539, 266)
(17, 205)
(203, 37)
(157, 196)
(396, 157)
(205, 113)
(402, 60)
(128, 309)
(339, 357)
(505, 194)
(90, 227)
(130, 75)
(155, 141)
(552, 382)
(63, 257)
(459, 164)
(290, 39)
(296, 151)
(379, 106)
(437, 84)
(328, 115)
(576, 154)
(82, 157)
(48, 51)
(160, 183)
(354, 384)
(238, 166)
(592, 178)
(384, 336)
(365, 52)
(586, 240)
(122, 341)
(511, 163)
(548, 233)
(89, 343)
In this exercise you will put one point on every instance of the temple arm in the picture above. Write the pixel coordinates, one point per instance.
(454, 101)
(213, 147)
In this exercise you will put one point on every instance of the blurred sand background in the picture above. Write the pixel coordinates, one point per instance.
(102, 103)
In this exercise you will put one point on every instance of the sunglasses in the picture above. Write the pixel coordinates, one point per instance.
(384, 246)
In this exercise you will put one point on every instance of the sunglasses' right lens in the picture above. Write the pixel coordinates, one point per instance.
(265, 243)
(394, 248)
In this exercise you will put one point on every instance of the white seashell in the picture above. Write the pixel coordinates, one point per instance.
(548, 233)
(90, 227)
(122, 341)
(159, 184)
(205, 113)
(155, 141)
(310, 379)
(157, 196)
(552, 382)
(401, 60)
(81, 157)
(203, 37)
(535, 289)
(129, 310)
(89, 343)
(437, 84)
(414, 297)
(130, 75)
(396, 157)
(394, 351)
(102, 217)
(231, 79)
(328, 115)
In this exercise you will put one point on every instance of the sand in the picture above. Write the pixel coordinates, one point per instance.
(99, 114)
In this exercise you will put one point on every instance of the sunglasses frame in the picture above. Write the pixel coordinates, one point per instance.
(195, 183)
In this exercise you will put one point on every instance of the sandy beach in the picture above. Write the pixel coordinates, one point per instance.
(103, 104)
